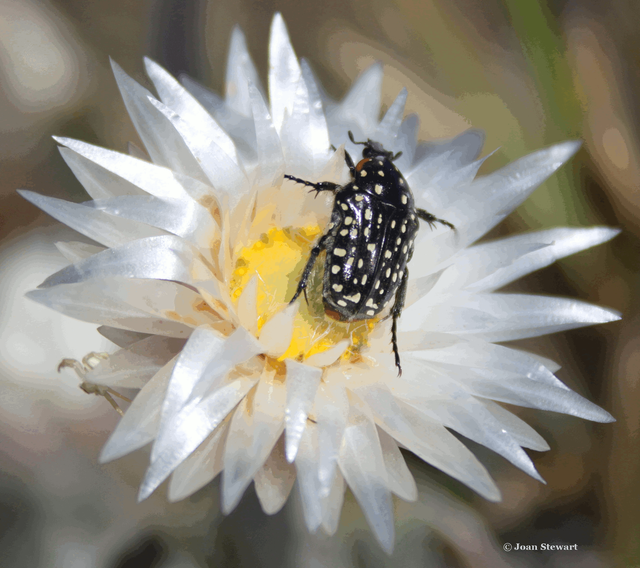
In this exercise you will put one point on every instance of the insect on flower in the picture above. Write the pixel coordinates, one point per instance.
(369, 240)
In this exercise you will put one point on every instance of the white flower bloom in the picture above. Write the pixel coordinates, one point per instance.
(201, 246)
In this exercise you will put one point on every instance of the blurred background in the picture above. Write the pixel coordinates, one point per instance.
(528, 73)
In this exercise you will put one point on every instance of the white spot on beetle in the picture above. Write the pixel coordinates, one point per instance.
(342, 303)
(377, 284)
(360, 263)
(335, 269)
(393, 224)
(371, 313)
(350, 261)
(378, 188)
(363, 173)
(355, 187)
(401, 180)
(364, 279)
(403, 228)
(404, 199)
(348, 221)
(369, 303)
(359, 197)
(380, 173)
(355, 298)
(337, 287)
(354, 233)
(339, 252)
(404, 249)
(371, 247)
(344, 232)
(344, 206)
(387, 254)
(395, 276)
(367, 232)
(368, 214)
(398, 240)
(388, 272)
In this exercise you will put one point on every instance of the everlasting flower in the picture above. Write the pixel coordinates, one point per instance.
(201, 244)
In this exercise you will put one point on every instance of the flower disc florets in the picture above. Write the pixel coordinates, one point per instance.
(201, 242)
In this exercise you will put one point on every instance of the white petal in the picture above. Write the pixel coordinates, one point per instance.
(134, 366)
(174, 95)
(563, 242)
(202, 369)
(399, 478)
(362, 465)
(331, 411)
(361, 107)
(270, 158)
(254, 430)
(240, 72)
(74, 251)
(201, 467)
(284, 71)
(140, 422)
(328, 357)
(152, 179)
(307, 475)
(469, 417)
(406, 142)
(187, 219)
(332, 505)
(103, 228)
(389, 127)
(318, 130)
(524, 434)
(248, 306)
(101, 301)
(165, 146)
(161, 258)
(99, 182)
(444, 318)
(302, 384)
(523, 316)
(191, 431)
(276, 333)
(220, 169)
(121, 337)
(274, 480)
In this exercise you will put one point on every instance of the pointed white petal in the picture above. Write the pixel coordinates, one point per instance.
(240, 72)
(284, 71)
(183, 218)
(152, 179)
(99, 182)
(328, 357)
(191, 431)
(274, 480)
(247, 307)
(201, 467)
(469, 417)
(101, 301)
(174, 95)
(302, 384)
(399, 478)
(120, 337)
(134, 366)
(140, 422)
(270, 158)
(521, 316)
(444, 318)
(521, 432)
(406, 142)
(331, 411)
(74, 251)
(332, 505)
(103, 228)
(318, 130)
(161, 258)
(361, 107)
(462, 149)
(202, 368)
(307, 474)
(389, 127)
(254, 430)
(160, 138)
(276, 333)
(362, 465)
(220, 169)
(562, 242)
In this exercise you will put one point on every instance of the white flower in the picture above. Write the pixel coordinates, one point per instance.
(202, 246)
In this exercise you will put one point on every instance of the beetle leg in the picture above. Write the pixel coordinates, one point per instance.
(304, 279)
(397, 155)
(350, 164)
(317, 187)
(401, 294)
(432, 219)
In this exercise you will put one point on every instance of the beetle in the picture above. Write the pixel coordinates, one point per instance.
(369, 240)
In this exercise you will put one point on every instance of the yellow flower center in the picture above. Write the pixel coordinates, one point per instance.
(278, 258)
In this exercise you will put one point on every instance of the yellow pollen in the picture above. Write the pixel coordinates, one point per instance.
(278, 258)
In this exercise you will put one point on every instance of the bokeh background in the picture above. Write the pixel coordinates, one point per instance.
(530, 73)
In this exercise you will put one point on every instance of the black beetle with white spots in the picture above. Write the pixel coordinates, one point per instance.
(369, 240)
